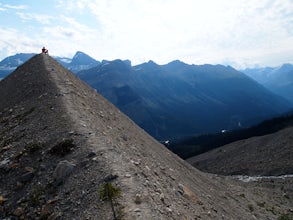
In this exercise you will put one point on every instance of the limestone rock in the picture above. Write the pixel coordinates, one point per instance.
(62, 170)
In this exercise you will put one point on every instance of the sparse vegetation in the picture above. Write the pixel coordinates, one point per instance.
(33, 146)
(272, 210)
(250, 207)
(261, 204)
(286, 217)
(36, 194)
(5, 120)
(62, 148)
(110, 193)
(242, 195)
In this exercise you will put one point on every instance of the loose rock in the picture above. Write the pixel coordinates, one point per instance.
(63, 169)
(26, 177)
(18, 211)
(138, 199)
(1, 200)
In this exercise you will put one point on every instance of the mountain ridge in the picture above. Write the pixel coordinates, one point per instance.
(41, 177)
(192, 92)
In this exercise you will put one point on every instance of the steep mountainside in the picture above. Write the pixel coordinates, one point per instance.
(279, 80)
(270, 154)
(60, 142)
(177, 100)
(199, 144)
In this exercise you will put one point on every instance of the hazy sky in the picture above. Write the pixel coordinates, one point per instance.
(236, 32)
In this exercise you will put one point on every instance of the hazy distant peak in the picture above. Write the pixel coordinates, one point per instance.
(116, 65)
(127, 62)
(286, 67)
(151, 62)
(177, 63)
(81, 58)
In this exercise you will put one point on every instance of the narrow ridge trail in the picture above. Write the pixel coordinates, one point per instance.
(137, 161)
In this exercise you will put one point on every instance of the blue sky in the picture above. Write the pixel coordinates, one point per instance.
(241, 33)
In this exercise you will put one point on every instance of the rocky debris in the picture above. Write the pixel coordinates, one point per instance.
(267, 155)
(26, 177)
(1, 200)
(138, 198)
(62, 170)
(169, 210)
(18, 211)
(127, 175)
(65, 182)
(62, 148)
(4, 164)
(180, 189)
(91, 155)
(110, 177)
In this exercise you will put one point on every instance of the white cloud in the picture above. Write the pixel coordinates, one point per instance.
(195, 31)
(41, 18)
(16, 7)
(11, 43)
(203, 31)
(69, 36)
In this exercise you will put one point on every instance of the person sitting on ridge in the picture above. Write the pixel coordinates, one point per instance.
(44, 50)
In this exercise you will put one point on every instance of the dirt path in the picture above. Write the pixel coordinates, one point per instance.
(102, 139)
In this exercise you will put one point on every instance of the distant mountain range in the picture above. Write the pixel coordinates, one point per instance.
(279, 79)
(174, 100)
(80, 61)
(178, 100)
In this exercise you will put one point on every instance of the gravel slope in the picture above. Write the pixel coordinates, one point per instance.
(43, 106)
(266, 155)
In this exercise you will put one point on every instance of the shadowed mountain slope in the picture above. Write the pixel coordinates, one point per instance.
(270, 154)
(178, 100)
(60, 142)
